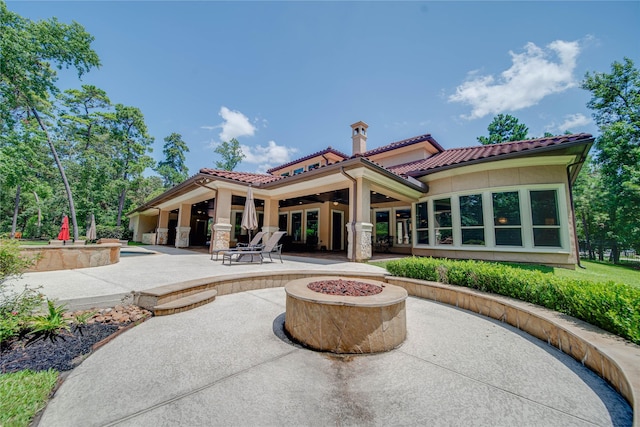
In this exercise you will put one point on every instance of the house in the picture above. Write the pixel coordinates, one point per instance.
(506, 202)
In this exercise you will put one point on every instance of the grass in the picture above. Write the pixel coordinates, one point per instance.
(33, 242)
(23, 394)
(593, 271)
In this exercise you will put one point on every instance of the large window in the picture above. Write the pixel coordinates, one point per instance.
(283, 222)
(472, 220)
(544, 216)
(442, 221)
(422, 223)
(506, 218)
(526, 217)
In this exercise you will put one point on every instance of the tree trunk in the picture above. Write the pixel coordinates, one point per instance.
(72, 208)
(587, 237)
(39, 225)
(16, 208)
(121, 206)
(615, 253)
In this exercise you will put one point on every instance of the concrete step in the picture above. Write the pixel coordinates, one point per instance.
(185, 303)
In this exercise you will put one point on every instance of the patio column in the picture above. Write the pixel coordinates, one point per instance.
(270, 225)
(222, 220)
(162, 235)
(184, 228)
(359, 228)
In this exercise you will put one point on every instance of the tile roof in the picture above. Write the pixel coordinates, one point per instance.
(404, 143)
(457, 156)
(310, 156)
(247, 177)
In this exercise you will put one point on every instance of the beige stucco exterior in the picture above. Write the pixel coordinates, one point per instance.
(339, 202)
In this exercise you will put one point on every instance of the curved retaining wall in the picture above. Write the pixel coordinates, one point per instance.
(611, 357)
(68, 257)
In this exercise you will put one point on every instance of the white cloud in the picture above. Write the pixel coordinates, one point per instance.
(235, 125)
(573, 122)
(268, 156)
(531, 77)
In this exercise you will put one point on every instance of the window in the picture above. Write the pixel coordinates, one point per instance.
(382, 224)
(283, 222)
(296, 226)
(313, 166)
(544, 216)
(472, 220)
(311, 225)
(506, 218)
(298, 171)
(403, 226)
(284, 174)
(442, 221)
(422, 224)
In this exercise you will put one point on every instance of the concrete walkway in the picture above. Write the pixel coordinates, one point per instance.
(228, 363)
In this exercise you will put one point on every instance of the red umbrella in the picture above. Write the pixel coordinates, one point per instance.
(64, 231)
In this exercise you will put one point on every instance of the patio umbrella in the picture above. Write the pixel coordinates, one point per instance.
(91, 231)
(249, 217)
(64, 231)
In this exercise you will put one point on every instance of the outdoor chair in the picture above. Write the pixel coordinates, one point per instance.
(254, 244)
(270, 247)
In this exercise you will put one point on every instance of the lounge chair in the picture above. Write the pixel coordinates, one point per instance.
(254, 244)
(270, 247)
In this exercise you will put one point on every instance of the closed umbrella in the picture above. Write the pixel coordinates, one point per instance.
(91, 231)
(64, 231)
(249, 217)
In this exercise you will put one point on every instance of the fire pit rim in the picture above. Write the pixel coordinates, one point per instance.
(390, 294)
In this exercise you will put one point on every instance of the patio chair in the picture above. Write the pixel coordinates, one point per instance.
(270, 247)
(254, 244)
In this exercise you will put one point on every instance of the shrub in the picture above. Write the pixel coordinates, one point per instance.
(611, 306)
(15, 308)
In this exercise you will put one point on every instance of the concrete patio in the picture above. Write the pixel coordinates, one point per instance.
(229, 363)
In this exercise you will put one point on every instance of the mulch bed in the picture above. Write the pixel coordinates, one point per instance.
(70, 348)
(351, 288)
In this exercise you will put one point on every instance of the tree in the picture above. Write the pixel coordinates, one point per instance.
(88, 154)
(27, 78)
(615, 101)
(231, 154)
(172, 168)
(129, 132)
(504, 128)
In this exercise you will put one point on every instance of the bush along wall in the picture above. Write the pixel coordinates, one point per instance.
(614, 307)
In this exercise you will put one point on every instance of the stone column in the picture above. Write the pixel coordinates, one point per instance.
(359, 228)
(162, 236)
(222, 220)
(184, 226)
(221, 236)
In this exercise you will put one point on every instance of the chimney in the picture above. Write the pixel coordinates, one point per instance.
(359, 138)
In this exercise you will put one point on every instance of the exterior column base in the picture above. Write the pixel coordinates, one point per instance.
(362, 241)
(162, 236)
(269, 230)
(182, 237)
(221, 236)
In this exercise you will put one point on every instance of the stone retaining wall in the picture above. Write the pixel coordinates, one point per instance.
(68, 257)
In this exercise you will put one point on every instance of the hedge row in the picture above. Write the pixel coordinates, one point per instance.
(611, 306)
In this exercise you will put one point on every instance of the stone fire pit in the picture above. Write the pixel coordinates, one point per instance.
(344, 323)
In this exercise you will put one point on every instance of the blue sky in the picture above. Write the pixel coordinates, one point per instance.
(288, 78)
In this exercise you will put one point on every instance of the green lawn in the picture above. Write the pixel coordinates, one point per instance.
(23, 394)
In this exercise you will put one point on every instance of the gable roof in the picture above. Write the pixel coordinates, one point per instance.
(463, 156)
(310, 156)
(404, 143)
